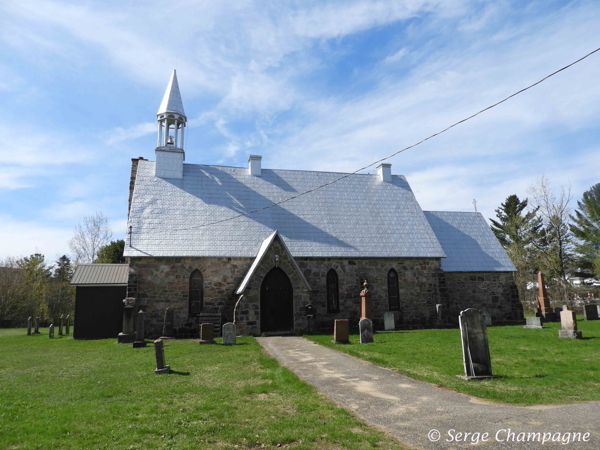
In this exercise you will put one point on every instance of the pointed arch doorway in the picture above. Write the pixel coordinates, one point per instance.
(276, 302)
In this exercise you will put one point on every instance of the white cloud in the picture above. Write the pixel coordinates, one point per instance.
(119, 134)
(22, 238)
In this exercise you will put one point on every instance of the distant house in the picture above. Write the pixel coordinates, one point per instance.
(99, 293)
(186, 252)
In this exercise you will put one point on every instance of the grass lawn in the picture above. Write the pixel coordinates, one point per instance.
(68, 394)
(536, 366)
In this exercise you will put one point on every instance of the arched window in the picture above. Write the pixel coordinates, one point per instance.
(393, 292)
(196, 296)
(333, 292)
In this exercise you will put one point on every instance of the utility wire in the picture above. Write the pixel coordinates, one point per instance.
(393, 154)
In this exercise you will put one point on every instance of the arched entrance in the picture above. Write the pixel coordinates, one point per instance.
(276, 302)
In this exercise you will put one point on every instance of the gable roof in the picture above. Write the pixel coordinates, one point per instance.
(469, 243)
(259, 257)
(100, 274)
(171, 101)
(358, 216)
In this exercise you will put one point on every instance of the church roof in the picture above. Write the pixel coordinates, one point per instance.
(359, 216)
(171, 101)
(469, 243)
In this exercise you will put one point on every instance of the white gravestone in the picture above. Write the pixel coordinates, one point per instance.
(389, 322)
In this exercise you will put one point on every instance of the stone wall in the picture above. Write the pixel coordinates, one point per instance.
(494, 292)
(418, 287)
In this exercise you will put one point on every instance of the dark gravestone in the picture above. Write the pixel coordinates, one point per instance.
(533, 322)
(167, 331)
(51, 331)
(474, 339)
(206, 333)
(365, 327)
(591, 312)
(37, 326)
(126, 336)
(229, 333)
(557, 313)
(438, 314)
(140, 340)
(68, 325)
(340, 331)
(568, 325)
(159, 348)
(29, 324)
(60, 325)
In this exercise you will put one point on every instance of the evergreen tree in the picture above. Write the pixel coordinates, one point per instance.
(37, 274)
(112, 253)
(586, 229)
(64, 269)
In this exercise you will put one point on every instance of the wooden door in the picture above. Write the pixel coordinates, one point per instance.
(276, 302)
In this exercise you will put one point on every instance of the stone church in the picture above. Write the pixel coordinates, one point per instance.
(206, 240)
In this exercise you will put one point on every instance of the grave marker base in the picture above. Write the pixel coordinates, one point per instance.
(139, 344)
(573, 334)
(166, 369)
(125, 338)
(477, 377)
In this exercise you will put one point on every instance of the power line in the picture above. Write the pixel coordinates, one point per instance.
(393, 154)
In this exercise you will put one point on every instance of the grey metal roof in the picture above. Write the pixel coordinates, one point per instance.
(469, 243)
(359, 216)
(259, 257)
(100, 274)
(171, 101)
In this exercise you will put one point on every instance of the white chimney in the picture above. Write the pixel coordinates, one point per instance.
(254, 165)
(384, 172)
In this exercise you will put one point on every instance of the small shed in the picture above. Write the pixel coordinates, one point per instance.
(100, 290)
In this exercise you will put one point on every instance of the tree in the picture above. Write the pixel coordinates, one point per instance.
(36, 274)
(586, 228)
(556, 244)
(89, 236)
(13, 291)
(64, 269)
(518, 230)
(60, 297)
(112, 253)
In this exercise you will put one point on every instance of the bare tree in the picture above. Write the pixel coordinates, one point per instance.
(89, 236)
(556, 254)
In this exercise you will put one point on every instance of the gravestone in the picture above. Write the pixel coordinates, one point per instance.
(488, 319)
(340, 331)
(438, 314)
(37, 326)
(126, 336)
(140, 340)
(60, 325)
(159, 348)
(557, 312)
(568, 326)
(29, 325)
(565, 308)
(474, 339)
(365, 302)
(206, 333)
(389, 321)
(365, 327)
(51, 331)
(167, 331)
(533, 322)
(68, 325)
(42, 317)
(229, 332)
(544, 309)
(591, 312)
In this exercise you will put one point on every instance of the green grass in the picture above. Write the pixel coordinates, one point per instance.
(536, 366)
(69, 394)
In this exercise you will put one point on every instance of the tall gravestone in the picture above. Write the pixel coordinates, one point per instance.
(474, 339)
(533, 322)
(68, 325)
(488, 319)
(42, 317)
(60, 325)
(340, 331)
(568, 325)
(51, 331)
(29, 325)
(591, 312)
(389, 322)
(229, 333)
(159, 348)
(544, 309)
(206, 333)
(438, 314)
(365, 302)
(167, 331)
(140, 335)
(365, 327)
(37, 326)
(127, 336)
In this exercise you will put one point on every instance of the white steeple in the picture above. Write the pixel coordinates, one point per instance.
(172, 121)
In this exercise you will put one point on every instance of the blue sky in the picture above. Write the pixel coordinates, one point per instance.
(307, 85)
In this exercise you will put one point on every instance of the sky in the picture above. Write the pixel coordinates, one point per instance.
(312, 85)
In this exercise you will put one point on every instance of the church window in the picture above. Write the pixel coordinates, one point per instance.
(196, 296)
(393, 292)
(333, 292)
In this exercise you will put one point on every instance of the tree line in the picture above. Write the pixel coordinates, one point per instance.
(542, 233)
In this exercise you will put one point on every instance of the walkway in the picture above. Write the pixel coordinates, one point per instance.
(410, 409)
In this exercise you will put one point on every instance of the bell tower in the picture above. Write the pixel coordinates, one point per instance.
(171, 121)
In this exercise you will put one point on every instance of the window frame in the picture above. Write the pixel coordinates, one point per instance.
(330, 310)
(395, 307)
(196, 273)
